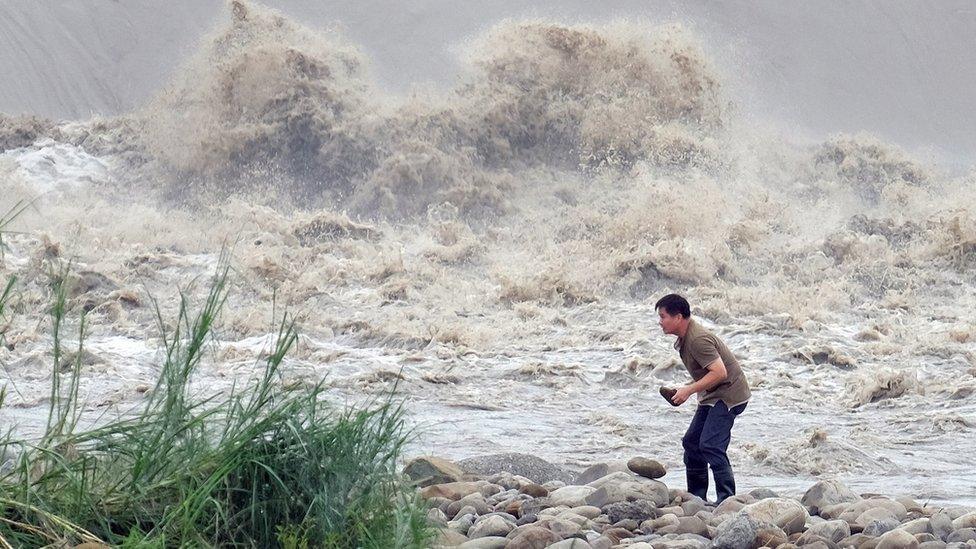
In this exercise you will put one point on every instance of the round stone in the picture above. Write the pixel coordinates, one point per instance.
(646, 467)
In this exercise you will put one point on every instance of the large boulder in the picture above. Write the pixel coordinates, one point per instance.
(618, 487)
(526, 465)
(784, 513)
(430, 470)
(825, 493)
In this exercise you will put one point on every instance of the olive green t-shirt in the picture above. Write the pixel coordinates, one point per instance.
(698, 349)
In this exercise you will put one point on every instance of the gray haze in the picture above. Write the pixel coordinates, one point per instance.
(902, 70)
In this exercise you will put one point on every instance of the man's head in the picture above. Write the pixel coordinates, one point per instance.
(673, 314)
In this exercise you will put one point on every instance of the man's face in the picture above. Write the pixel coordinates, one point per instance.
(669, 324)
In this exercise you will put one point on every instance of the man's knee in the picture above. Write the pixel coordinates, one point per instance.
(690, 444)
(714, 454)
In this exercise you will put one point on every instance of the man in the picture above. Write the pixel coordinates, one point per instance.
(722, 395)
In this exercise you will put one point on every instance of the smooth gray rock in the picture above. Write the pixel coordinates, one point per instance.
(490, 526)
(897, 539)
(834, 530)
(531, 467)
(827, 492)
(571, 496)
(966, 521)
(941, 525)
(736, 532)
(785, 513)
(639, 510)
(763, 493)
(879, 526)
(962, 535)
(615, 488)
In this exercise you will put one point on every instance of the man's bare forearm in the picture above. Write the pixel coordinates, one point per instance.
(711, 379)
(716, 374)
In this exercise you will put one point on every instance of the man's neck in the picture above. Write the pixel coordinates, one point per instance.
(683, 328)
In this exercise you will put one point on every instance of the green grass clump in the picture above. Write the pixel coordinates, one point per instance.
(259, 466)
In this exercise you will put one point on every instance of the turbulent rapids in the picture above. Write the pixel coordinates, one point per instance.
(495, 250)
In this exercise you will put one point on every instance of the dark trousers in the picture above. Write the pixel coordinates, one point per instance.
(705, 445)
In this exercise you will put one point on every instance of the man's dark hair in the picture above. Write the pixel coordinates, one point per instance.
(674, 304)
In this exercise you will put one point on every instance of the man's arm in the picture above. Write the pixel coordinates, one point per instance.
(716, 374)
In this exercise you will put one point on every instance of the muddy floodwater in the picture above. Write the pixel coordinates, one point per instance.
(494, 251)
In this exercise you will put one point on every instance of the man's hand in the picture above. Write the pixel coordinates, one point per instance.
(683, 394)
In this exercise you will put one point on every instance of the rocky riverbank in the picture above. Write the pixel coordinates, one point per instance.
(517, 501)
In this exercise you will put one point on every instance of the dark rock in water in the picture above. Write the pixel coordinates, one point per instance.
(21, 131)
(531, 467)
(639, 510)
(326, 227)
(645, 467)
(84, 282)
(430, 470)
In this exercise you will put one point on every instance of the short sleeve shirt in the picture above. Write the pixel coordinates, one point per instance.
(698, 349)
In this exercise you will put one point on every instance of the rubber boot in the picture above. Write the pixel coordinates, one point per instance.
(724, 483)
(697, 481)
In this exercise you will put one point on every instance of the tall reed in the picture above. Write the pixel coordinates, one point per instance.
(260, 465)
